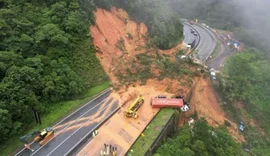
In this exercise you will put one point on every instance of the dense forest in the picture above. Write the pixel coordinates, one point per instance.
(247, 79)
(47, 56)
(200, 140)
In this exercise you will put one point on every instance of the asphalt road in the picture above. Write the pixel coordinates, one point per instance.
(74, 127)
(188, 36)
(207, 43)
(218, 62)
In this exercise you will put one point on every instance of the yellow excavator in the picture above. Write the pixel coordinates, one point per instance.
(133, 108)
(40, 137)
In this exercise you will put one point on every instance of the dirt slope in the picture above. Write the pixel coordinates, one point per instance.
(118, 39)
(110, 28)
(205, 102)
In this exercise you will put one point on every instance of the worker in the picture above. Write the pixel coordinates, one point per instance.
(108, 149)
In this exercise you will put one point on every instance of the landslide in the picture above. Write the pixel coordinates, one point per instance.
(205, 102)
(119, 41)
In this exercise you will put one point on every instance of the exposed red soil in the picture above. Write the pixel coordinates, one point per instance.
(206, 104)
(115, 25)
(109, 29)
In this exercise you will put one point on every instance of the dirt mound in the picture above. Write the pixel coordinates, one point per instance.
(118, 39)
(116, 36)
(205, 103)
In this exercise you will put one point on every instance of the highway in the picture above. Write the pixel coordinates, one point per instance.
(206, 45)
(188, 36)
(218, 62)
(70, 130)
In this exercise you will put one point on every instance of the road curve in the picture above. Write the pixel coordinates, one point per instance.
(218, 62)
(206, 45)
(188, 36)
(75, 126)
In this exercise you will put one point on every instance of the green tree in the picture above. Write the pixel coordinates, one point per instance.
(5, 124)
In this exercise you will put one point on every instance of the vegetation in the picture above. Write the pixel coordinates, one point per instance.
(250, 25)
(247, 77)
(55, 112)
(146, 63)
(201, 140)
(143, 143)
(120, 44)
(45, 58)
(164, 25)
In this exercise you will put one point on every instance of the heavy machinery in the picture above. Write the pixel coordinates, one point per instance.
(133, 108)
(40, 136)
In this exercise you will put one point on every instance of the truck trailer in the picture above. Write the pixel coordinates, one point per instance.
(167, 102)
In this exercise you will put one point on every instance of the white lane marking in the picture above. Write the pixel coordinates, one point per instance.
(68, 126)
(100, 94)
(208, 47)
(73, 133)
(90, 131)
(188, 36)
(197, 48)
(202, 45)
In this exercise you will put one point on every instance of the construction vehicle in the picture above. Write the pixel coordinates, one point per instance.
(40, 137)
(133, 108)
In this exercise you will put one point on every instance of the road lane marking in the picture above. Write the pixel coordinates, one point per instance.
(68, 126)
(73, 133)
(102, 93)
(90, 131)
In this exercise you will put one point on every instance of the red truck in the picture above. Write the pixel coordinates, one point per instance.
(167, 102)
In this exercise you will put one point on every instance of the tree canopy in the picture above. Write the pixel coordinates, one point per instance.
(201, 140)
(45, 57)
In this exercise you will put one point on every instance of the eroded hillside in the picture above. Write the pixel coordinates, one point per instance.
(128, 57)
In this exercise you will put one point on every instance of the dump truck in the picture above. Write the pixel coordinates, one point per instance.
(133, 108)
(40, 137)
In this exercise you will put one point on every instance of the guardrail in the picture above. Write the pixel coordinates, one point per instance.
(143, 131)
(199, 37)
(210, 33)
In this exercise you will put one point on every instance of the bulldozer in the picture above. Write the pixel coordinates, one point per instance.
(133, 108)
(40, 137)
